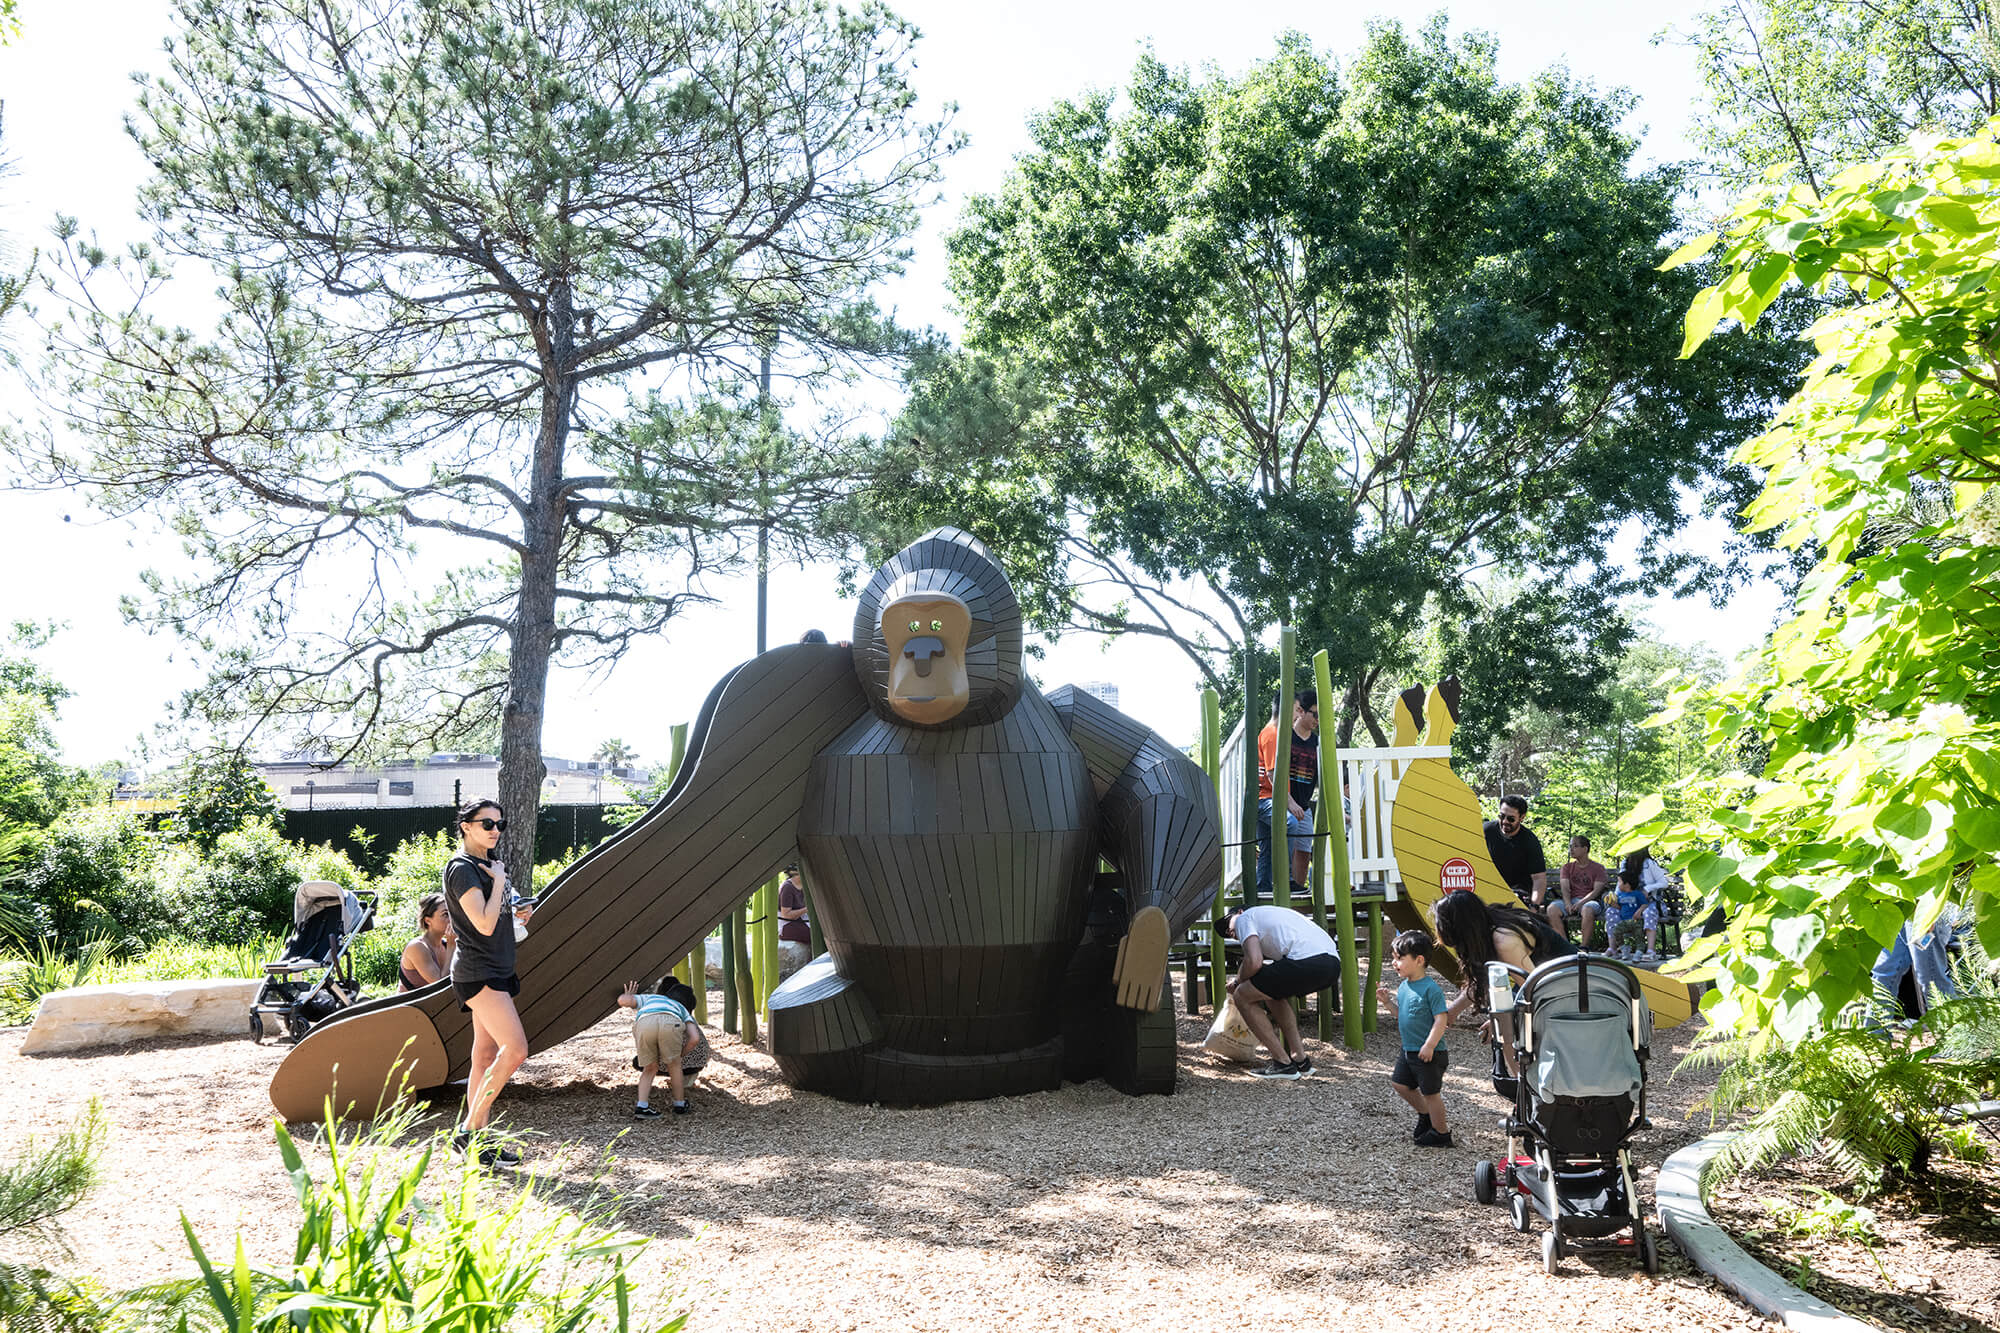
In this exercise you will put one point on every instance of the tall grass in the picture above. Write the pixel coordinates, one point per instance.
(26, 978)
(387, 1245)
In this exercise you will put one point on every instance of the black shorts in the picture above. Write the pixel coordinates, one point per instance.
(1426, 1076)
(510, 985)
(1291, 977)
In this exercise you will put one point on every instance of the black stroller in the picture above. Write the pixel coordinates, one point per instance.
(1583, 1034)
(312, 978)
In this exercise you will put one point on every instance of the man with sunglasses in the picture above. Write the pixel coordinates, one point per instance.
(1517, 852)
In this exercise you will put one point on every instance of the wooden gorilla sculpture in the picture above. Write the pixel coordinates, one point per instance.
(950, 819)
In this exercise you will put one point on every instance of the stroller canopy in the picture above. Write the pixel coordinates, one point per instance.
(1588, 1023)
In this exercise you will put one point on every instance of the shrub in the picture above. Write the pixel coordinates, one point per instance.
(242, 891)
(371, 1255)
(94, 876)
(176, 959)
(415, 868)
(35, 1189)
(50, 967)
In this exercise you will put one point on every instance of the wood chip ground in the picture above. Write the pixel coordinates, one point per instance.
(1236, 1201)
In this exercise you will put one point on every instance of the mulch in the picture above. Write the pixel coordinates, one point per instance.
(1288, 1205)
(1935, 1265)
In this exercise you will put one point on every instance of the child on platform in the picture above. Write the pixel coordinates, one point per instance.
(1419, 1006)
(666, 1034)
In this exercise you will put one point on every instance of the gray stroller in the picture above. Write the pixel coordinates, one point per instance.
(312, 978)
(1583, 1034)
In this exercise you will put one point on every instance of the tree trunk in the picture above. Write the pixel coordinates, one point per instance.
(533, 639)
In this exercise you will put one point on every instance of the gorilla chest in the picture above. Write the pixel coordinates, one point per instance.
(983, 837)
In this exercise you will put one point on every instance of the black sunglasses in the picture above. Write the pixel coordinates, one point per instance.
(490, 825)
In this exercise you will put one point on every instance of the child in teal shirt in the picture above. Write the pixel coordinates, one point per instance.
(1419, 1006)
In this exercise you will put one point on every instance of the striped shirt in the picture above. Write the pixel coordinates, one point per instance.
(661, 1004)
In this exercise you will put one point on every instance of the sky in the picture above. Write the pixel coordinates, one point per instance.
(66, 86)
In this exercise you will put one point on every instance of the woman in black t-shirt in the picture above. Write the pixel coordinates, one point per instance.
(482, 966)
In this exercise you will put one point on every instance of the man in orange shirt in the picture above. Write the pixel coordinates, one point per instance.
(1299, 791)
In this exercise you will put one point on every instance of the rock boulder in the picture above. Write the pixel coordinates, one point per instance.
(70, 1020)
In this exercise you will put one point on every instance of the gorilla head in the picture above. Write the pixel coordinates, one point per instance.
(937, 636)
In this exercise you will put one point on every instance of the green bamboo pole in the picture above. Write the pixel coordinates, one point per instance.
(694, 968)
(1322, 830)
(729, 933)
(1353, 1016)
(1281, 769)
(746, 993)
(1248, 836)
(1211, 764)
(767, 938)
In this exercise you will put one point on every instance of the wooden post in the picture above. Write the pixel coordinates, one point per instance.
(1211, 764)
(1248, 836)
(729, 987)
(1352, 1014)
(1281, 770)
(1322, 831)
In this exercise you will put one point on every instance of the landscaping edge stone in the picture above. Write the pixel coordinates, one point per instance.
(1684, 1217)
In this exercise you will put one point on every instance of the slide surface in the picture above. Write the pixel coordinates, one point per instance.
(631, 907)
(1438, 832)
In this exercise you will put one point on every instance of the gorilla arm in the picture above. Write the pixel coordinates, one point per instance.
(631, 907)
(1157, 823)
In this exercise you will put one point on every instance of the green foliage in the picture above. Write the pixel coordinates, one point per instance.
(94, 875)
(378, 1251)
(178, 959)
(1872, 798)
(1803, 87)
(35, 785)
(415, 868)
(48, 967)
(1583, 773)
(1830, 1216)
(218, 794)
(434, 229)
(241, 891)
(1313, 345)
(1871, 1102)
(43, 1182)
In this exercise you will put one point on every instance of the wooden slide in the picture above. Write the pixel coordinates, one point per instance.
(1438, 832)
(632, 907)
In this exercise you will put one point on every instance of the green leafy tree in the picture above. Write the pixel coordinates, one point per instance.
(616, 753)
(1314, 346)
(1804, 86)
(35, 785)
(1874, 800)
(218, 794)
(451, 235)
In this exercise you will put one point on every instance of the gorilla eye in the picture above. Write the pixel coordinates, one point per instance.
(914, 627)
(937, 627)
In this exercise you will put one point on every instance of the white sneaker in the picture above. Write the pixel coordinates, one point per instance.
(1650, 956)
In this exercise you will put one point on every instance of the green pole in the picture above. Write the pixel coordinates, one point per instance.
(693, 968)
(1248, 837)
(1352, 1015)
(1211, 764)
(1281, 769)
(767, 936)
(729, 969)
(1322, 828)
(746, 993)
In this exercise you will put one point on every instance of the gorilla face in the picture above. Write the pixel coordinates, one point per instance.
(925, 635)
(937, 634)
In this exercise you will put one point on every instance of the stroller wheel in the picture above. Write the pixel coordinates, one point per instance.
(1552, 1248)
(1649, 1251)
(1484, 1182)
(1517, 1212)
(256, 1027)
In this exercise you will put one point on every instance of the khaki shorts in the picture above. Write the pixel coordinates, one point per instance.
(659, 1039)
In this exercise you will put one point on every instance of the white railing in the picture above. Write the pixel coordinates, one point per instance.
(1370, 777)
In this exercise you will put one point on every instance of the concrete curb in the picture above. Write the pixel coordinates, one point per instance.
(1684, 1217)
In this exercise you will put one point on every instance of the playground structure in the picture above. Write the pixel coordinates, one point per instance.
(1416, 832)
(950, 820)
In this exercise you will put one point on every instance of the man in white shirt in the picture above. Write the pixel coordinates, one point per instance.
(1285, 954)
